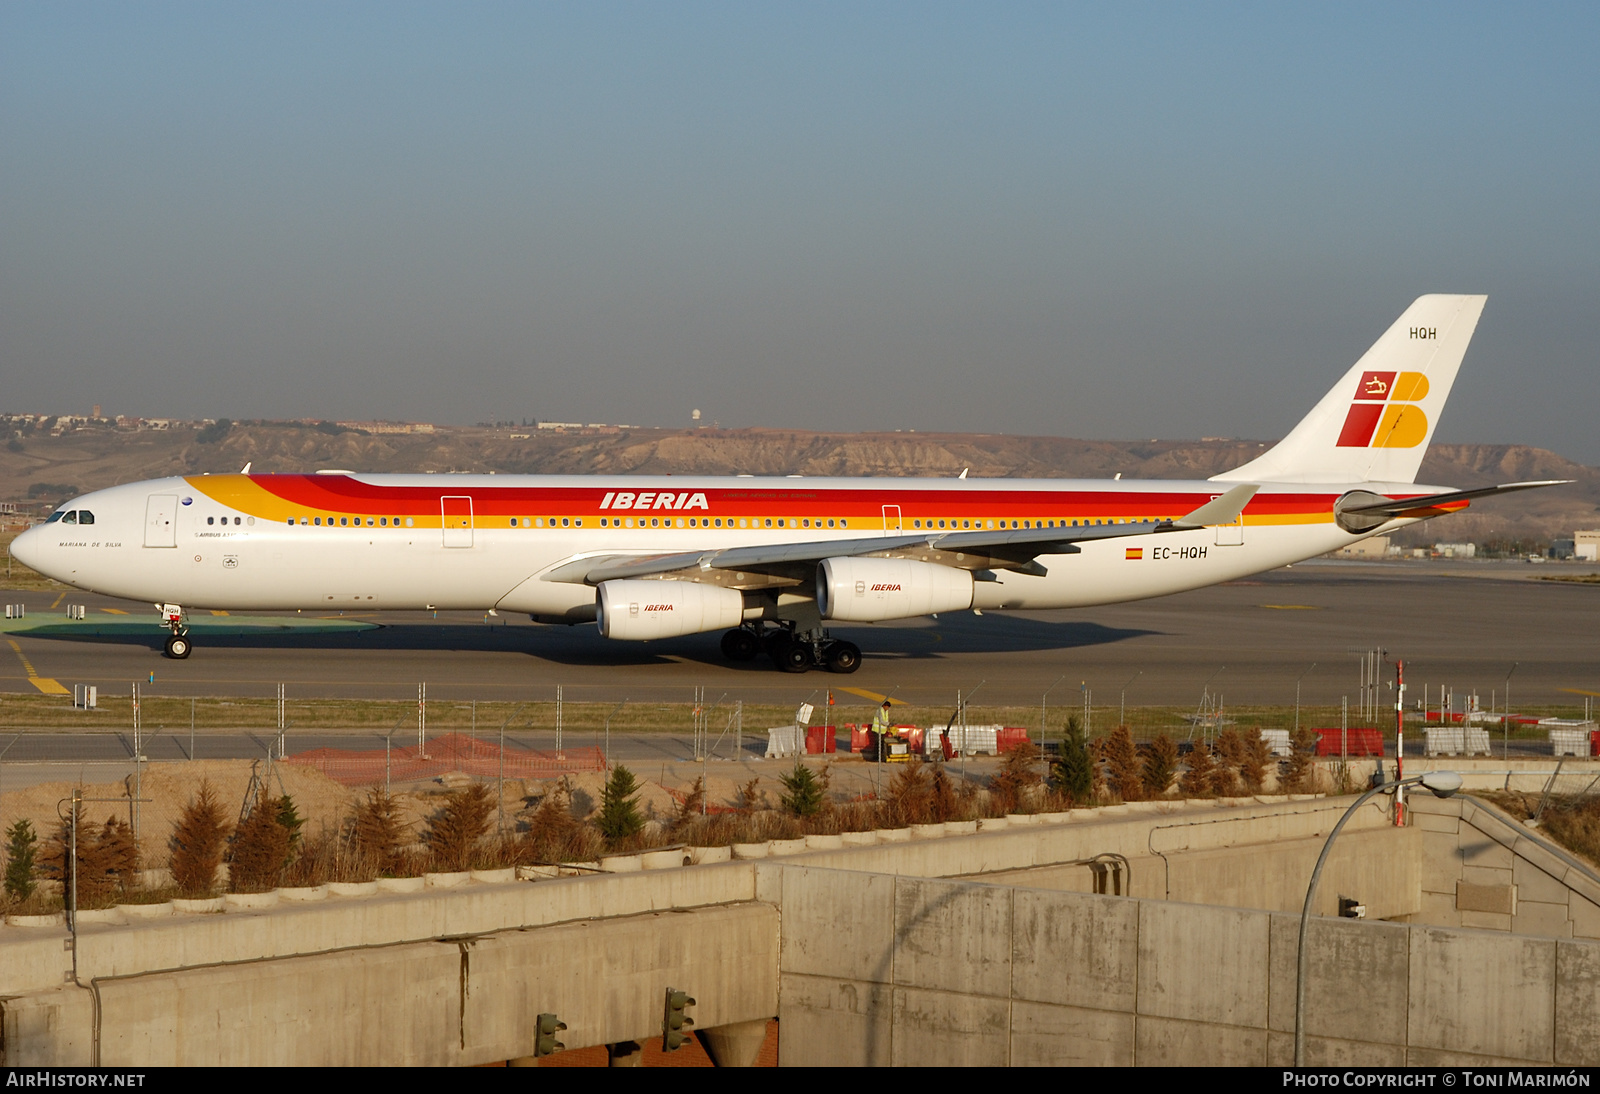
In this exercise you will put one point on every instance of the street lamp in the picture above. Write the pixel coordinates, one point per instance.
(1122, 701)
(1297, 680)
(1442, 784)
(1505, 723)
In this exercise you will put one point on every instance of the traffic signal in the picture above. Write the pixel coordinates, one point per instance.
(675, 1023)
(544, 1042)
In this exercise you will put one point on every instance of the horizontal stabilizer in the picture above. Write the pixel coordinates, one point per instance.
(1395, 506)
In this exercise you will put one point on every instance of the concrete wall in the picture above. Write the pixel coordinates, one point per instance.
(881, 963)
(885, 970)
(1483, 869)
(449, 1001)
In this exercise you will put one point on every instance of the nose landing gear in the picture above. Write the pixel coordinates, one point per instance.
(178, 645)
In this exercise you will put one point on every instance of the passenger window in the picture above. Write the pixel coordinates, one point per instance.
(211, 520)
(409, 522)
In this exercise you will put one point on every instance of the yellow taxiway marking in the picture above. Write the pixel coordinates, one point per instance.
(1578, 691)
(59, 599)
(43, 683)
(865, 694)
(114, 611)
(215, 612)
(1294, 607)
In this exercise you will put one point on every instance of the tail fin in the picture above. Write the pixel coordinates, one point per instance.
(1375, 425)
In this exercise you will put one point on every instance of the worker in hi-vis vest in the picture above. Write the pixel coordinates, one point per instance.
(881, 728)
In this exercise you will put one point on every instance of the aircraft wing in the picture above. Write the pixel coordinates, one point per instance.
(790, 563)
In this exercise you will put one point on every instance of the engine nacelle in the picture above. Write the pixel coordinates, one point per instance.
(866, 590)
(637, 610)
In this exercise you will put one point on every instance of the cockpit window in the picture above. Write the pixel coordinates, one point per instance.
(53, 517)
(85, 517)
(70, 517)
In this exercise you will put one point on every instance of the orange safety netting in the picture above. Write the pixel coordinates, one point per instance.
(443, 755)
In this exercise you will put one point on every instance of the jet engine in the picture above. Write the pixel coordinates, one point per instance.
(866, 590)
(638, 610)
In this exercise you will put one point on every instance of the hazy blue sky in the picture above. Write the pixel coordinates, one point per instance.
(1103, 221)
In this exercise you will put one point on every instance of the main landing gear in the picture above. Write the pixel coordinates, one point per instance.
(178, 645)
(793, 652)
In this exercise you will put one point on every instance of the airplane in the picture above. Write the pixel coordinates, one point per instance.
(773, 561)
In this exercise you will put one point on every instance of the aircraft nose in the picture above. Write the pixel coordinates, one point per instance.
(26, 548)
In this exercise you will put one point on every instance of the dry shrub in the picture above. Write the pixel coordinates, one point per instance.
(260, 852)
(454, 830)
(945, 802)
(691, 809)
(1302, 768)
(909, 795)
(751, 798)
(554, 835)
(1231, 753)
(1575, 826)
(1123, 760)
(1010, 788)
(107, 859)
(1159, 766)
(198, 838)
(316, 864)
(1257, 756)
(377, 833)
(1199, 780)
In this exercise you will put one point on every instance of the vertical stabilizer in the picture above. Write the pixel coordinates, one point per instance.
(1375, 424)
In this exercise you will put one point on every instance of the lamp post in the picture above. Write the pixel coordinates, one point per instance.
(1297, 680)
(1442, 784)
(1122, 699)
(1505, 723)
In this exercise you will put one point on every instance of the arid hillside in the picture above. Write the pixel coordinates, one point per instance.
(91, 458)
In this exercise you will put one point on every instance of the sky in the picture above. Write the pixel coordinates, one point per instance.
(1100, 221)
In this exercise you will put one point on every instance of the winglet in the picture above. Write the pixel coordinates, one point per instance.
(1220, 510)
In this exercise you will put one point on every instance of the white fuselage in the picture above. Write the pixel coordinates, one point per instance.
(380, 542)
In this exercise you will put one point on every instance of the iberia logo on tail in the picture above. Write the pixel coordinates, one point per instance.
(1384, 414)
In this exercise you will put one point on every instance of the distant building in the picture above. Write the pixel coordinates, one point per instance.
(1563, 548)
(1456, 550)
(1586, 544)
(560, 425)
(388, 427)
(1375, 547)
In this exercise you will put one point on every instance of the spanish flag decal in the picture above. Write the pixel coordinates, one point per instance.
(1134, 552)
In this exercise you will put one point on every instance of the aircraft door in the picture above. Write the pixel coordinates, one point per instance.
(161, 521)
(891, 520)
(457, 520)
(1231, 535)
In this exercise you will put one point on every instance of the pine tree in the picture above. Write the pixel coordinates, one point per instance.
(1074, 769)
(1123, 759)
(1253, 768)
(91, 878)
(291, 820)
(551, 826)
(454, 831)
(1160, 765)
(378, 832)
(1231, 753)
(909, 794)
(1019, 773)
(803, 793)
(619, 811)
(118, 854)
(21, 850)
(1302, 763)
(198, 838)
(260, 850)
(1197, 781)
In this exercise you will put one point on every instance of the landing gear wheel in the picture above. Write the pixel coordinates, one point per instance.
(178, 647)
(740, 645)
(843, 657)
(791, 656)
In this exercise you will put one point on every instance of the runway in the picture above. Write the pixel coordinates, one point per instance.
(1462, 625)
